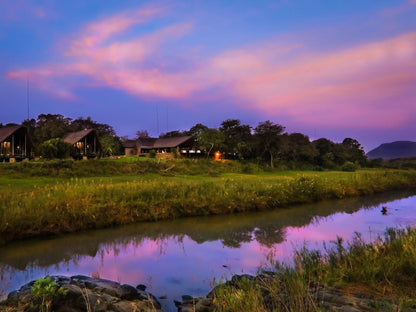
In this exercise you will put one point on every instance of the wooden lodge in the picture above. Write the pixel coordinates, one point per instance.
(164, 147)
(85, 144)
(15, 143)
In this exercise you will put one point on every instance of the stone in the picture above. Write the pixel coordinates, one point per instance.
(128, 292)
(87, 294)
(141, 287)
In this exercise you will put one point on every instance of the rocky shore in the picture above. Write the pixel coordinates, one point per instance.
(85, 294)
(93, 294)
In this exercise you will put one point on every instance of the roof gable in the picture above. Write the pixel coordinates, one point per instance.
(7, 131)
(74, 137)
(150, 143)
(171, 142)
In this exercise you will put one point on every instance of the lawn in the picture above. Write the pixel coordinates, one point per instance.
(106, 194)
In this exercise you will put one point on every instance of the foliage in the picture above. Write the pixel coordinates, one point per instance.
(152, 153)
(234, 140)
(110, 145)
(142, 134)
(55, 126)
(349, 166)
(383, 268)
(55, 148)
(211, 139)
(46, 291)
(40, 198)
(172, 134)
(237, 138)
(267, 136)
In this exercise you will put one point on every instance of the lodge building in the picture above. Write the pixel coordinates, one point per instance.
(15, 143)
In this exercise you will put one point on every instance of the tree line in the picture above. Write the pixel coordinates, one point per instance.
(47, 131)
(267, 142)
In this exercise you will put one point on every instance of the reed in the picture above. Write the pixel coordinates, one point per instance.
(36, 206)
(384, 268)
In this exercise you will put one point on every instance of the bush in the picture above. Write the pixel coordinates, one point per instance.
(349, 166)
(152, 154)
(45, 290)
(55, 148)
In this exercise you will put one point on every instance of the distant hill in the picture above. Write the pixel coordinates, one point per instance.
(397, 149)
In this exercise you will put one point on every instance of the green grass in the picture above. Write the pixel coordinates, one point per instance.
(384, 269)
(121, 193)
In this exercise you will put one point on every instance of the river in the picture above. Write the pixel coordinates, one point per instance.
(187, 256)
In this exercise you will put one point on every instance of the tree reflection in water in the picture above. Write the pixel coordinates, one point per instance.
(171, 239)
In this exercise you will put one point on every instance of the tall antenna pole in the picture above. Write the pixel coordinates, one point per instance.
(157, 118)
(167, 118)
(27, 95)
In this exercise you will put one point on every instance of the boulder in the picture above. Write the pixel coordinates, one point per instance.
(85, 293)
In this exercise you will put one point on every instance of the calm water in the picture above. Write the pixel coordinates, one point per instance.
(184, 256)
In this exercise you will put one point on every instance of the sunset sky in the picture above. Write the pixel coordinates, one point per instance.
(326, 68)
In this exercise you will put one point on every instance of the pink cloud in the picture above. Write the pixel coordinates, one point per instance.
(98, 32)
(354, 86)
(342, 81)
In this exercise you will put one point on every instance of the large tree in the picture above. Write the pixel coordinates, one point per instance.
(237, 137)
(142, 134)
(196, 130)
(297, 148)
(354, 151)
(209, 139)
(51, 126)
(267, 135)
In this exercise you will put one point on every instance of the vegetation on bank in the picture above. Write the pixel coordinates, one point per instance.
(64, 196)
(384, 270)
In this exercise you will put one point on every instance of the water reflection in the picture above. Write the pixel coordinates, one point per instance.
(183, 256)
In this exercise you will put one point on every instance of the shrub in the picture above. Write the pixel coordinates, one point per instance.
(152, 154)
(46, 290)
(55, 148)
(349, 166)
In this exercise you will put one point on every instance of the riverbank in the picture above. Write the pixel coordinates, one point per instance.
(34, 205)
(378, 276)
(354, 276)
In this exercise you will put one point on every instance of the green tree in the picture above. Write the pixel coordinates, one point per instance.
(325, 156)
(172, 134)
(196, 130)
(267, 135)
(55, 148)
(354, 151)
(209, 139)
(110, 145)
(142, 134)
(50, 126)
(237, 137)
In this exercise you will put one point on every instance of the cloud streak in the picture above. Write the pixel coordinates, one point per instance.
(358, 86)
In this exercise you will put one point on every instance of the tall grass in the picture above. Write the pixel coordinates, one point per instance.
(385, 269)
(34, 206)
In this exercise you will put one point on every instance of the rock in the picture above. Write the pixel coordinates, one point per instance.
(141, 287)
(128, 292)
(191, 304)
(86, 294)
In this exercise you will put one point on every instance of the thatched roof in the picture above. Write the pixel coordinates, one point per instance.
(171, 142)
(146, 142)
(7, 131)
(129, 144)
(74, 137)
(149, 143)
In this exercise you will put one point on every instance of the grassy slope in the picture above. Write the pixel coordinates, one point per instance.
(44, 198)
